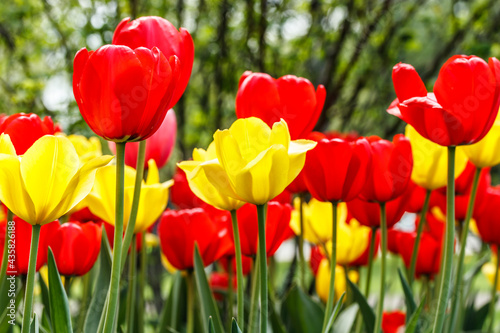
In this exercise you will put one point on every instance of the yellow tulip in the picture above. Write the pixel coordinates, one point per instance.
(199, 184)
(317, 218)
(152, 202)
(254, 162)
(47, 181)
(430, 161)
(352, 240)
(485, 152)
(323, 280)
(167, 265)
(86, 149)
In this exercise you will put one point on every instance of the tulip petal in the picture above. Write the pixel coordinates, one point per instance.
(156, 197)
(280, 134)
(153, 174)
(6, 146)
(217, 177)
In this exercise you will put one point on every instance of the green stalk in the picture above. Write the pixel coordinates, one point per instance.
(114, 287)
(447, 257)
(254, 298)
(491, 312)
(239, 272)
(30, 283)
(261, 213)
(333, 265)
(383, 246)
(142, 284)
(139, 175)
(190, 302)
(302, 261)
(132, 288)
(414, 255)
(459, 286)
(3, 270)
(359, 320)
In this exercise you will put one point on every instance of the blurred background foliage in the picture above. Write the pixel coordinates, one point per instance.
(348, 46)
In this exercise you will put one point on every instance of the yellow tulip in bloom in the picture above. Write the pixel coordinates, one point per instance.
(317, 218)
(254, 162)
(86, 149)
(198, 181)
(152, 203)
(47, 181)
(430, 161)
(323, 280)
(485, 153)
(352, 240)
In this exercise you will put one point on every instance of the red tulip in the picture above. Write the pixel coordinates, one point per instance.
(124, 94)
(150, 31)
(392, 240)
(289, 97)
(363, 259)
(180, 230)
(416, 198)
(284, 197)
(277, 222)
(181, 194)
(368, 213)
(231, 260)
(390, 172)
(84, 215)
(219, 283)
(110, 234)
(315, 260)
(25, 129)
(486, 216)
(335, 170)
(22, 244)
(76, 247)
(159, 146)
(465, 102)
(393, 322)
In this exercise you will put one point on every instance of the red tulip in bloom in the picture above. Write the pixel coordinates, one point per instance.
(180, 230)
(231, 260)
(219, 282)
(159, 146)
(335, 170)
(23, 244)
(368, 213)
(486, 216)
(181, 194)
(76, 247)
(150, 31)
(416, 198)
(289, 97)
(123, 93)
(84, 215)
(390, 172)
(277, 222)
(25, 129)
(315, 260)
(464, 104)
(393, 322)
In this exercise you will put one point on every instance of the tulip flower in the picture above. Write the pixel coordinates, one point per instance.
(372, 247)
(290, 98)
(151, 31)
(158, 147)
(123, 93)
(487, 220)
(219, 283)
(25, 129)
(393, 322)
(416, 198)
(23, 234)
(368, 213)
(152, 203)
(323, 280)
(67, 243)
(181, 194)
(87, 149)
(180, 230)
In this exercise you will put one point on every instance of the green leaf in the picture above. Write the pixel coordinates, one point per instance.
(413, 322)
(346, 319)
(171, 312)
(211, 328)
(335, 313)
(208, 305)
(59, 308)
(366, 310)
(274, 318)
(96, 307)
(300, 313)
(475, 319)
(34, 325)
(235, 328)
(409, 300)
(46, 304)
(5, 321)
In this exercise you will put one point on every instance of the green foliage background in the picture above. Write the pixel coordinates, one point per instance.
(349, 46)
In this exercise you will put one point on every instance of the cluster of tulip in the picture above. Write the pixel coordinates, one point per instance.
(231, 204)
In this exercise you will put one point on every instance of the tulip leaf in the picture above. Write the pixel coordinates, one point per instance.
(300, 313)
(335, 313)
(366, 310)
(235, 328)
(46, 304)
(96, 307)
(274, 318)
(211, 328)
(208, 305)
(346, 319)
(59, 308)
(34, 325)
(412, 323)
(409, 300)
(170, 316)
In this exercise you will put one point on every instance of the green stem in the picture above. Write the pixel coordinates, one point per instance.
(190, 302)
(302, 261)
(114, 287)
(132, 287)
(239, 272)
(8, 233)
(383, 246)
(261, 213)
(493, 302)
(447, 257)
(414, 255)
(30, 283)
(333, 265)
(254, 298)
(459, 286)
(142, 284)
(129, 232)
